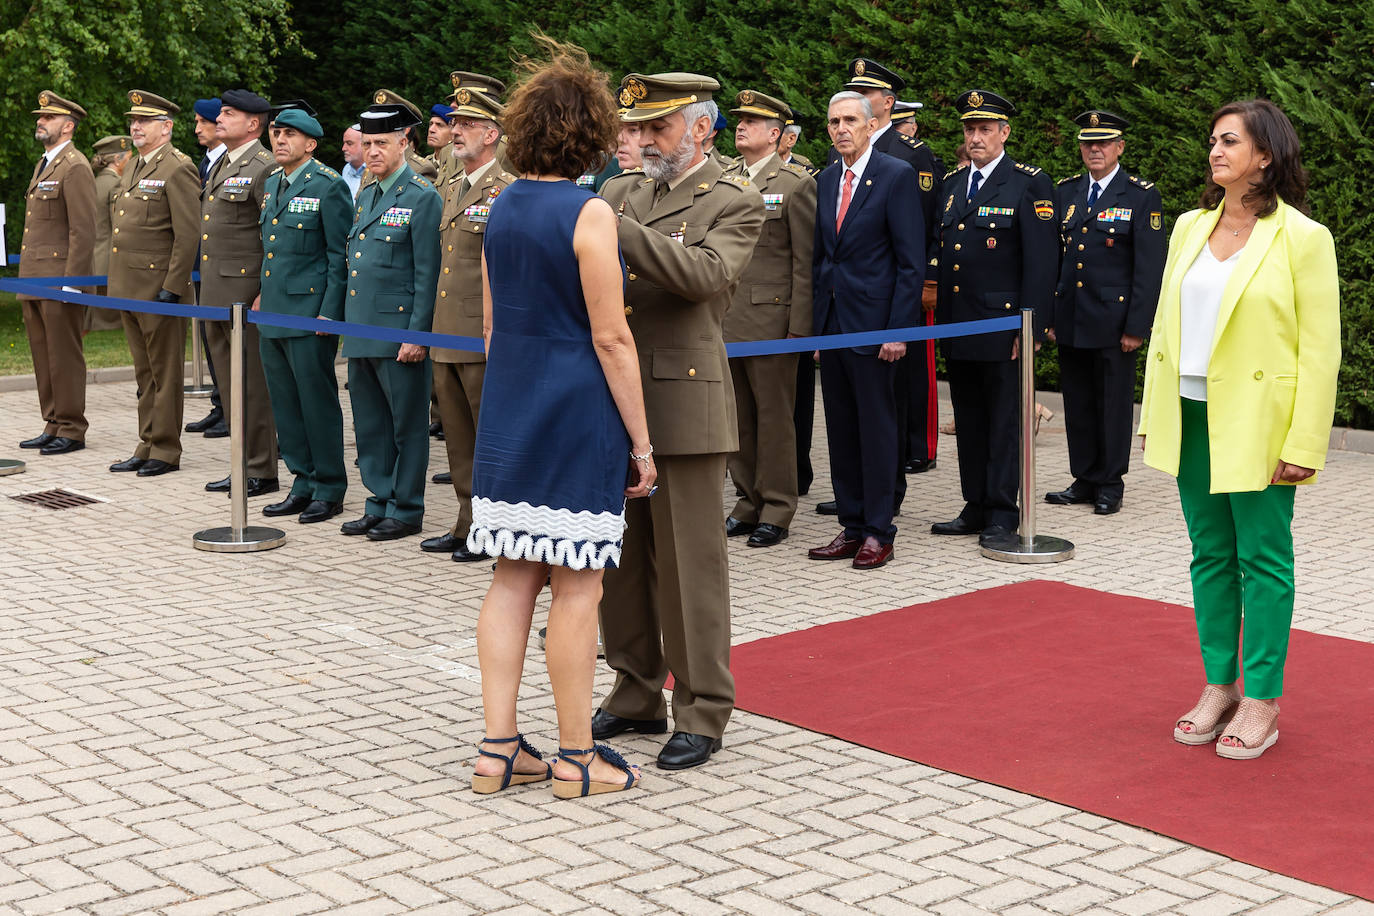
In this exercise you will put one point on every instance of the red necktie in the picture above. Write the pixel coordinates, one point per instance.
(845, 195)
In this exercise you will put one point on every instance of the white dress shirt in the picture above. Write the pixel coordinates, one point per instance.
(1199, 302)
(986, 171)
(858, 169)
(1102, 182)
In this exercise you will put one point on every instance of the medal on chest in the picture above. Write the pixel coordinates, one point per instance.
(396, 217)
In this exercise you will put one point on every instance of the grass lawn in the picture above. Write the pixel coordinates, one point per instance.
(103, 348)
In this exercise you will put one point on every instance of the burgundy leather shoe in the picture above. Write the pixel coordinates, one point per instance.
(842, 548)
(872, 554)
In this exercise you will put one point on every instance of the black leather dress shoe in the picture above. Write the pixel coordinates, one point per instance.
(256, 486)
(292, 505)
(1070, 497)
(607, 725)
(219, 431)
(461, 554)
(156, 466)
(766, 535)
(37, 441)
(442, 477)
(830, 508)
(685, 750)
(389, 529)
(735, 528)
(61, 445)
(444, 543)
(319, 510)
(993, 534)
(436, 429)
(128, 464)
(360, 525)
(209, 420)
(959, 525)
(1103, 506)
(919, 465)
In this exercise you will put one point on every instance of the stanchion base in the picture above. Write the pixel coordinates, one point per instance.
(11, 466)
(1040, 549)
(198, 391)
(253, 538)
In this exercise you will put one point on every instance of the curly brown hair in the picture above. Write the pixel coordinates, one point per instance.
(561, 118)
(1272, 133)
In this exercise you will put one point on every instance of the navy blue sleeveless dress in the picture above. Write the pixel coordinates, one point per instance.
(552, 454)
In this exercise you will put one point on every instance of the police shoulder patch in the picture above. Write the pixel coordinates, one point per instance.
(1028, 169)
(1140, 182)
(1071, 178)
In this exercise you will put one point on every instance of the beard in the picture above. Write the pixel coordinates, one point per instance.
(661, 166)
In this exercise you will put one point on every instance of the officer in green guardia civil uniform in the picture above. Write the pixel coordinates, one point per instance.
(392, 267)
(306, 214)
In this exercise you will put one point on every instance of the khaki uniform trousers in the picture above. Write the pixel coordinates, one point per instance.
(765, 467)
(59, 365)
(157, 344)
(458, 391)
(259, 432)
(667, 607)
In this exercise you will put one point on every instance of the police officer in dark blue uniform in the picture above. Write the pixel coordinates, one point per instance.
(1114, 245)
(998, 246)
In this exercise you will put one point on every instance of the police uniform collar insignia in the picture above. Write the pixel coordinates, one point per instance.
(704, 186)
(976, 99)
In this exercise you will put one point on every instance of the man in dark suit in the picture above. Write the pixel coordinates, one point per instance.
(1113, 262)
(867, 275)
(997, 243)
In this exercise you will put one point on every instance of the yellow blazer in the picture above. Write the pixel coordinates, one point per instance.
(1271, 378)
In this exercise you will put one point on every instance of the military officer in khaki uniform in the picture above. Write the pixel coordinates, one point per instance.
(59, 237)
(112, 155)
(773, 300)
(458, 374)
(230, 267)
(420, 165)
(154, 234)
(687, 232)
(490, 87)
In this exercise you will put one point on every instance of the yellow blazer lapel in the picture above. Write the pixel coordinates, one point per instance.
(1192, 247)
(1261, 237)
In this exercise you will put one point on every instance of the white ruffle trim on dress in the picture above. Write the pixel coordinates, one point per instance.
(559, 537)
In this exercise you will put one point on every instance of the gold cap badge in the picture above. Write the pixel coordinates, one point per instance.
(976, 100)
(462, 96)
(745, 98)
(456, 80)
(136, 98)
(636, 89)
(380, 98)
(42, 100)
(859, 68)
(1094, 120)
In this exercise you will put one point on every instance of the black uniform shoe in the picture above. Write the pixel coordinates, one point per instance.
(1103, 506)
(993, 534)
(37, 441)
(607, 725)
(360, 525)
(442, 477)
(319, 510)
(389, 529)
(919, 465)
(218, 431)
(461, 554)
(685, 750)
(959, 525)
(155, 466)
(830, 508)
(292, 505)
(61, 445)
(213, 417)
(256, 486)
(735, 528)
(766, 535)
(1070, 497)
(444, 543)
(436, 429)
(128, 464)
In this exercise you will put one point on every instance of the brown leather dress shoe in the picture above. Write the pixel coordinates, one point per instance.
(842, 548)
(872, 554)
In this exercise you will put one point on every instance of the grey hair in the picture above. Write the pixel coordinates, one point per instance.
(698, 110)
(792, 129)
(848, 95)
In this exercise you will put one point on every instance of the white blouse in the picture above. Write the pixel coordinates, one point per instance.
(1199, 306)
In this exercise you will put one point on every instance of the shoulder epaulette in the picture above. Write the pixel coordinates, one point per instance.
(323, 169)
(422, 181)
(647, 181)
(1140, 182)
(275, 171)
(738, 181)
(1070, 178)
(912, 141)
(179, 154)
(507, 177)
(796, 169)
(951, 173)
(1028, 169)
(264, 156)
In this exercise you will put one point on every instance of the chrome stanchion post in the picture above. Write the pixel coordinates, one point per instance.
(1026, 546)
(10, 466)
(239, 537)
(197, 388)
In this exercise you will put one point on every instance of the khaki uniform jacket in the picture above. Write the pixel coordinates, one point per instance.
(684, 256)
(773, 298)
(618, 186)
(155, 227)
(59, 219)
(106, 190)
(230, 242)
(458, 304)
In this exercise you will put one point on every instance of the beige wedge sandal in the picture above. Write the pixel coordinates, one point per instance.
(1253, 731)
(1206, 720)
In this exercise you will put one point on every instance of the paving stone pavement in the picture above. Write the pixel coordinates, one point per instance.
(290, 732)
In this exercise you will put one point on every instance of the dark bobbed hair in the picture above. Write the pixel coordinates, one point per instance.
(561, 118)
(1273, 134)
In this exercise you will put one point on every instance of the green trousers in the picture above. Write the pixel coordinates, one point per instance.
(1242, 567)
(305, 403)
(391, 424)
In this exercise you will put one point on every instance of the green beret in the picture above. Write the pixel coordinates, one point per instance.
(297, 118)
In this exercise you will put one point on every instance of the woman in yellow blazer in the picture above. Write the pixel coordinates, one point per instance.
(1240, 388)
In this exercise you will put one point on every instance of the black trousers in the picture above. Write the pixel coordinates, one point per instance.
(861, 429)
(987, 400)
(804, 418)
(1099, 395)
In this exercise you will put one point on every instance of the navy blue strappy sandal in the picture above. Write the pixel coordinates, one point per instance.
(580, 788)
(486, 785)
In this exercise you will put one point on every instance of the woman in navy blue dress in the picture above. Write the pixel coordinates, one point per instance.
(562, 439)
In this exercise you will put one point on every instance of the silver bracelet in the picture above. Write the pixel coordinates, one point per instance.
(643, 457)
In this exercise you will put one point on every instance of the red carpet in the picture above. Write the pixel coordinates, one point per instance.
(1070, 694)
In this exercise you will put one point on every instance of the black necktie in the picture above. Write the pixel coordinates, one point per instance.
(204, 168)
(40, 165)
(1092, 194)
(973, 184)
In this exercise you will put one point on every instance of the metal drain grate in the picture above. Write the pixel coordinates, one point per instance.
(56, 499)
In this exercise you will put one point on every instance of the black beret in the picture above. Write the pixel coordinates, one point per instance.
(245, 101)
